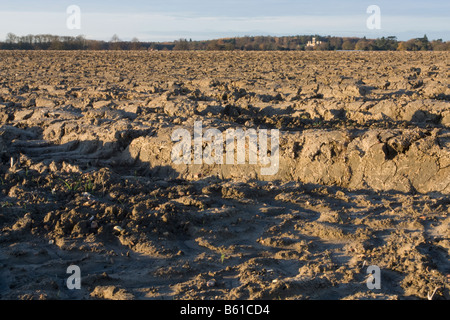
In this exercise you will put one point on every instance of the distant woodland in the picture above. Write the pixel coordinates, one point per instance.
(247, 43)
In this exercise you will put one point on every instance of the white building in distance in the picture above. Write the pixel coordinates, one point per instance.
(313, 43)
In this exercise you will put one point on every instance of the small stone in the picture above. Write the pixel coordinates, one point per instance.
(87, 195)
(211, 283)
(118, 228)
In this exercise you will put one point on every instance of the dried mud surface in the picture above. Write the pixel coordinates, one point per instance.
(87, 178)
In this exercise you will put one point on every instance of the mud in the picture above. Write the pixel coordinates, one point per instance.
(87, 176)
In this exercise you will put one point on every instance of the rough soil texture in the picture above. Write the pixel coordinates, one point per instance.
(87, 177)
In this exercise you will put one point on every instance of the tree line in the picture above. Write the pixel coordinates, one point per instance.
(246, 43)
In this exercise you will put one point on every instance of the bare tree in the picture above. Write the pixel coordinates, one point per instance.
(135, 45)
(115, 38)
(11, 38)
(115, 42)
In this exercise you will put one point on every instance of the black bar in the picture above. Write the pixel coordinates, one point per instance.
(235, 309)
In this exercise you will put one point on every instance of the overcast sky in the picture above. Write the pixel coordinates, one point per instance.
(161, 20)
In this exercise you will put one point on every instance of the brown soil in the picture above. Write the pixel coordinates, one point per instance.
(364, 176)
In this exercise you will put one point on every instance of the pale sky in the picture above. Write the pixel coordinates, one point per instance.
(167, 20)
